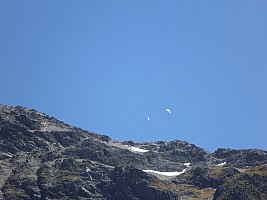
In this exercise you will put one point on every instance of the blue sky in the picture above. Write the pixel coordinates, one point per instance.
(105, 66)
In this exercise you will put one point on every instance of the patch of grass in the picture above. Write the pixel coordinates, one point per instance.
(206, 194)
(163, 186)
(67, 175)
(194, 193)
(27, 170)
(183, 186)
(259, 170)
(15, 192)
(70, 178)
(217, 171)
(188, 190)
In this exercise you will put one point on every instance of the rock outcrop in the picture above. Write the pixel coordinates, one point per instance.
(44, 158)
(251, 184)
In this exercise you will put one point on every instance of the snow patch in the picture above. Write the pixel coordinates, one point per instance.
(89, 176)
(222, 164)
(87, 170)
(165, 173)
(85, 190)
(136, 149)
(187, 164)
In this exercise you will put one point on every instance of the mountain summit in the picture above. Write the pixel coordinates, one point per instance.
(42, 158)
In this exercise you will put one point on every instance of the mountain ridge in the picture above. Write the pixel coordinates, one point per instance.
(44, 158)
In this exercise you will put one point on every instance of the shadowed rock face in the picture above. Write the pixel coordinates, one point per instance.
(251, 184)
(44, 158)
(242, 158)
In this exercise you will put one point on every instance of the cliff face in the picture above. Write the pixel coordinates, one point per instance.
(44, 158)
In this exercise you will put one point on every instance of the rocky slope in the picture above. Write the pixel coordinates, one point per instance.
(44, 158)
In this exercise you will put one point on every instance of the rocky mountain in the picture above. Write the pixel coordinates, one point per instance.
(42, 158)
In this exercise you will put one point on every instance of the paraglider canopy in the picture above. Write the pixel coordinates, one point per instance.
(168, 110)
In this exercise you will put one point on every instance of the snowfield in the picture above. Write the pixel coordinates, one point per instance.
(187, 164)
(222, 164)
(136, 149)
(165, 173)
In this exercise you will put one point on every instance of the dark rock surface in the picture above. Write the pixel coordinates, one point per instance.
(243, 157)
(44, 158)
(251, 184)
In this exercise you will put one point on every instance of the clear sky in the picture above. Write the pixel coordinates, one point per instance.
(106, 65)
